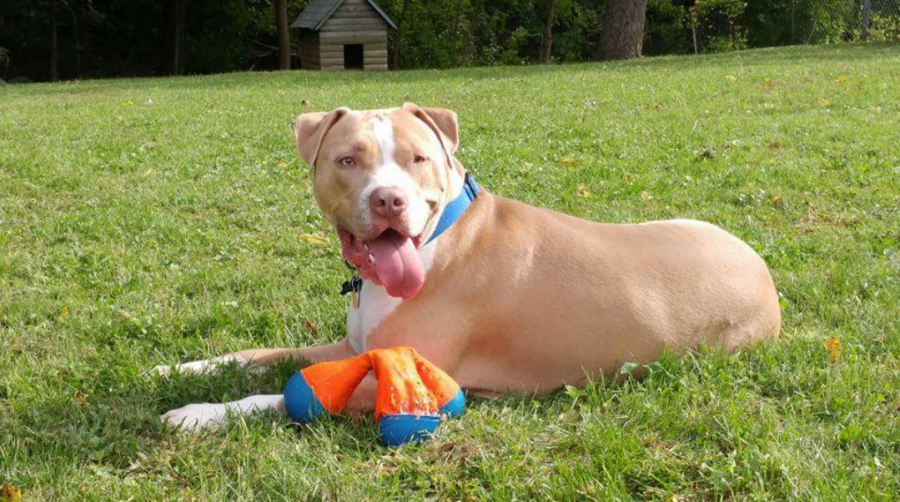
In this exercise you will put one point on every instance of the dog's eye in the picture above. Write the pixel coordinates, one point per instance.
(347, 161)
(419, 159)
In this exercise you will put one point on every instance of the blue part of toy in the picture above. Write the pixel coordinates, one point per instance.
(300, 401)
(455, 406)
(403, 428)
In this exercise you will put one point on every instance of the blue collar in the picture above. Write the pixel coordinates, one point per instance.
(456, 207)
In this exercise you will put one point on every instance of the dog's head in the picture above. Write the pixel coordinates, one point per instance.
(382, 178)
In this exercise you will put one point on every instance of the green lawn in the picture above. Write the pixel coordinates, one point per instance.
(153, 221)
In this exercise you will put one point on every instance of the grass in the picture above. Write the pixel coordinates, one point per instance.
(153, 221)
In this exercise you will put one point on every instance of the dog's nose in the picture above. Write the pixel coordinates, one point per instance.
(388, 202)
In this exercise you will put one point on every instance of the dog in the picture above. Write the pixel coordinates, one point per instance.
(504, 297)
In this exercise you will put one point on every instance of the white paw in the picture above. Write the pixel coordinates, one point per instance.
(194, 417)
(199, 367)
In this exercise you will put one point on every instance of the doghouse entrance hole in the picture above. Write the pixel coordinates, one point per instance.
(353, 57)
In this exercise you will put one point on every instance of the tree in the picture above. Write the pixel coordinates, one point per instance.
(54, 44)
(552, 8)
(395, 54)
(79, 11)
(174, 11)
(284, 36)
(623, 29)
(548, 32)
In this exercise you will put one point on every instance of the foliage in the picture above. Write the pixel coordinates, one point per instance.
(667, 28)
(577, 32)
(125, 37)
(719, 21)
(155, 221)
(884, 28)
(769, 22)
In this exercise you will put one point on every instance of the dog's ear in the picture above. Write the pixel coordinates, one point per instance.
(310, 130)
(442, 121)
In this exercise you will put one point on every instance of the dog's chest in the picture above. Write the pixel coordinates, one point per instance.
(375, 305)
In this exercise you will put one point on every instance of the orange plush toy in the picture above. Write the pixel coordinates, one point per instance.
(412, 393)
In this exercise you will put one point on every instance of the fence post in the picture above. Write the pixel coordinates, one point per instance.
(865, 20)
(694, 32)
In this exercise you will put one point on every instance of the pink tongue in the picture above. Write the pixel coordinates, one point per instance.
(397, 265)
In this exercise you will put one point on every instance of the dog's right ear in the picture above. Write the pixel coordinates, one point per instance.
(310, 130)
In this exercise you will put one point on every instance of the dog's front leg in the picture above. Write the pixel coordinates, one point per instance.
(196, 416)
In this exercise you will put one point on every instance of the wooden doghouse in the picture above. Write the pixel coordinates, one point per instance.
(343, 35)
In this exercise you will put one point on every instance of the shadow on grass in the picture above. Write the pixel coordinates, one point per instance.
(112, 423)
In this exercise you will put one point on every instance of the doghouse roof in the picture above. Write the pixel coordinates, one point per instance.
(316, 13)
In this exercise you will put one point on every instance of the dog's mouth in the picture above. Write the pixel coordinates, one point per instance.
(389, 259)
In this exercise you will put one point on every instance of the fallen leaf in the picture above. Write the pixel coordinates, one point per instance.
(582, 192)
(833, 345)
(824, 102)
(314, 239)
(9, 493)
(568, 161)
(128, 103)
(310, 326)
(776, 200)
(645, 196)
(282, 164)
(81, 399)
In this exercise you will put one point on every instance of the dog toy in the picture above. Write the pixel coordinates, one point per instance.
(412, 393)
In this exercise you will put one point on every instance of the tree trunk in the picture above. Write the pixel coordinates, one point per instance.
(284, 35)
(54, 49)
(548, 33)
(76, 35)
(395, 54)
(174, 32)
(623, 29)
(456, 25)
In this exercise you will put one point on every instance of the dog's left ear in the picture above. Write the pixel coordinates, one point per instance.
(442, 121)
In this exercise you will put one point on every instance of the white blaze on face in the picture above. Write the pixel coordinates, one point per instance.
(390, 174)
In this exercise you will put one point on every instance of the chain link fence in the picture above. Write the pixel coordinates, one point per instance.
(720, 25)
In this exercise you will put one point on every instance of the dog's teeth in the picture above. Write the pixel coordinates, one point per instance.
(372, 258)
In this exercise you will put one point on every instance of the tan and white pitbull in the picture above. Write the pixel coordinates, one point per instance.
(510, 298)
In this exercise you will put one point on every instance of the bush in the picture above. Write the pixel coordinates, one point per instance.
(719, 23)
(667, 29)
